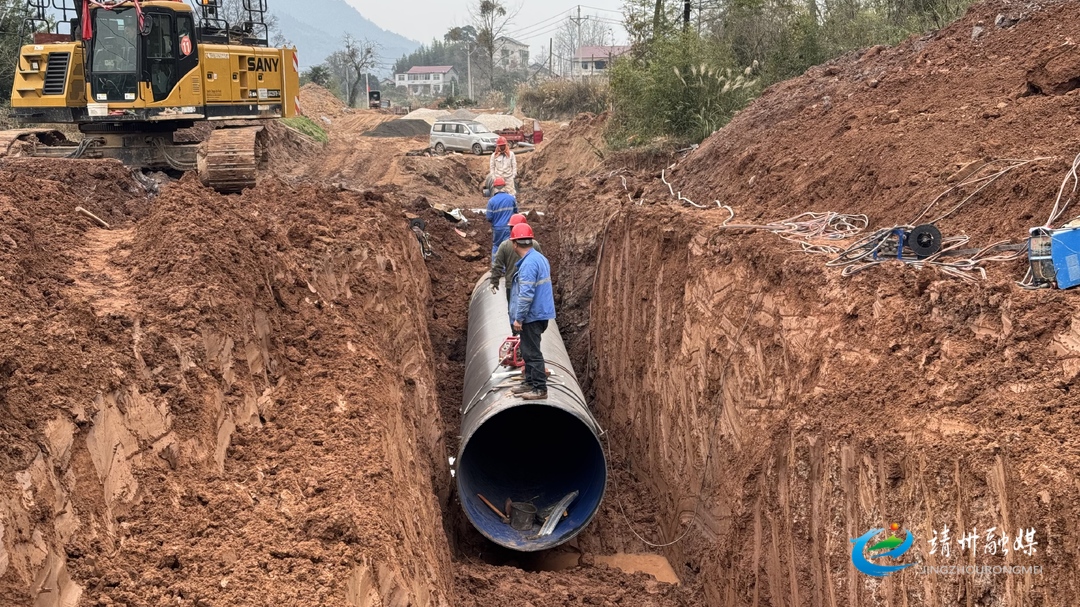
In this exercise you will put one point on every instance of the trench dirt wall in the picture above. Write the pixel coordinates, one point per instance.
(219, 400)
(780, 410)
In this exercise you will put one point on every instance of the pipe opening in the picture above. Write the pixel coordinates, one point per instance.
(536, 454)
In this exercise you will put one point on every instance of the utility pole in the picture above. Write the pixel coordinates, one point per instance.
(577, 21)
(468, 61)
(551, 56)
(686, 15)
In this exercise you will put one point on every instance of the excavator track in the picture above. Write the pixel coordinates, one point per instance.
(228, 160)
(10, 141)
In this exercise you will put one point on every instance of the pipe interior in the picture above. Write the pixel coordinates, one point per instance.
(536, 454)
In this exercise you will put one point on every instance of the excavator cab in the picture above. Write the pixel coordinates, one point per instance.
(131, 73)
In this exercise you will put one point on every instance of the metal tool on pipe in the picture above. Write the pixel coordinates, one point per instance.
(544, 452)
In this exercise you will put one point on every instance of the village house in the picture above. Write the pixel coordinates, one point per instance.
(428, 79)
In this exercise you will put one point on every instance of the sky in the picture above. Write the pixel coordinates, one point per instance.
(535, 22)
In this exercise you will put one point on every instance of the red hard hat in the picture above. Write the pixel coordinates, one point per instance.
(499, 182)
(517, 218)
(501, 141)
(521, 231)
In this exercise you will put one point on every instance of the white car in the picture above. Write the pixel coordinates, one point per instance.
(462, 135)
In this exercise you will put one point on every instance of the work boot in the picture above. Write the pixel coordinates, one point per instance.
(522, 389)
(534, 395)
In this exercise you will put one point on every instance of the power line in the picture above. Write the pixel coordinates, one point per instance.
(606, 10)
(538, 24)
(546, 32)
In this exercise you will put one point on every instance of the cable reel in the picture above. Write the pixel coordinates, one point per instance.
(920, 242)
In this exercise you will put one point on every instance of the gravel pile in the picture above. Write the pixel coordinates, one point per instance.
(402, 127)
(497, 122)
(429, 116)
(463, 114)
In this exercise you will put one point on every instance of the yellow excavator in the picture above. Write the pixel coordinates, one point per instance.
(136, 76)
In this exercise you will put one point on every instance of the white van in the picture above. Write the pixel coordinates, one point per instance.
(462, 135)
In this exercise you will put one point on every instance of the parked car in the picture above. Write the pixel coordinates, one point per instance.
(462, 135)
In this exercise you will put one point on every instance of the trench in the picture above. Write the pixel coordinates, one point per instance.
(604, 547)
(299, 374)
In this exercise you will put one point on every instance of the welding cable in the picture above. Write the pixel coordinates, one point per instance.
(699, 499)
(868, 246)
(1011, 164)
(1059, 208)
(808, 226)
(678, 195)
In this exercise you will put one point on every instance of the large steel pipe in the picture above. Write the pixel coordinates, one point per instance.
(534, 452)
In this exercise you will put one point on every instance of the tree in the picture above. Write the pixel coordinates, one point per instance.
(319, 74)
(13, 35)
(350, 64)
(646, 20)
(490, 20)
(466, 34)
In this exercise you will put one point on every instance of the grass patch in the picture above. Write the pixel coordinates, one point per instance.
(308, 127)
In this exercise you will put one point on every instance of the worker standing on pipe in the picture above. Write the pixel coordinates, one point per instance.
(499, 210)
(532, 305)
(503, 163)
(505, 261)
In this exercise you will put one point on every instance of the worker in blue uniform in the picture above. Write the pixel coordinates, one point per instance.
(500, 208)
(532, 305)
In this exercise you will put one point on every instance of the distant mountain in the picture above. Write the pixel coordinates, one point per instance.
(317, 28)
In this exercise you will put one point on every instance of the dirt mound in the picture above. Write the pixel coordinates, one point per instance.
(886, 130)
(784, 409)
(568, 153)
(321, 105)
(402, 127)
(210, 359)
(287, 150)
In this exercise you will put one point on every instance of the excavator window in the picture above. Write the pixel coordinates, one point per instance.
(114, 66)
(114, 49)
(161, 56)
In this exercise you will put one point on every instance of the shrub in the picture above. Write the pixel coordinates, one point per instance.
(678, 87)
(555, 99)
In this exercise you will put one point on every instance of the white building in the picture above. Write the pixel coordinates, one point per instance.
(428, 80)
(511, 54)
(595, 60)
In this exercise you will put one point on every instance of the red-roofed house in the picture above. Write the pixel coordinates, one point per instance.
(595, 60)
(427, 79)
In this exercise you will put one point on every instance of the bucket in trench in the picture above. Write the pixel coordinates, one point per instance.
(522, 515)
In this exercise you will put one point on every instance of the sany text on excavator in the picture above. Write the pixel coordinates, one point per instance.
(132, 73)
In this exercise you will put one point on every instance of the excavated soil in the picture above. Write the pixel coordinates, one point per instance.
(247, 399)
(252, 399)
(776, 409)
(322, 106)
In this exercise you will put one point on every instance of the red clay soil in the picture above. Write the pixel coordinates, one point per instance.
(220, 400)
(246, 399)
(481, 585)
(780, 409)
(881, 131)
(321, 105)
